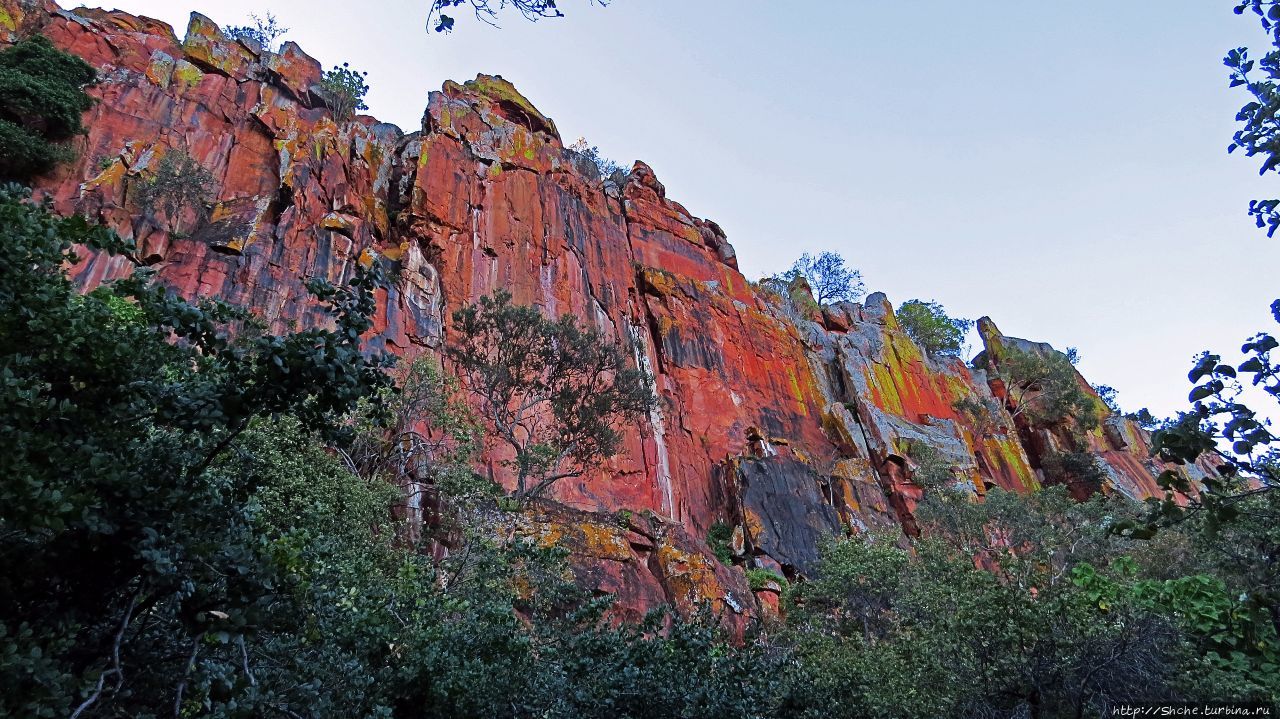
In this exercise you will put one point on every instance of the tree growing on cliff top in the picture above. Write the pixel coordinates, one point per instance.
(344, 91)
(41, 100)
(929, 325)
(828, 277)
(551, 390)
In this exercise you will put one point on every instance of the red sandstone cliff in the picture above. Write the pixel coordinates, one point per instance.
(784, 426)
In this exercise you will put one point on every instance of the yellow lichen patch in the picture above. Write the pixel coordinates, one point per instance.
(662, 283)
(603, 542)
(220, 212)
(337, 222)
(1008, 452)
(187, 75)
(794, 383)
(496, 88)
(367, 257)
(548, 535)
(112, 176)
(689, 578)
(752, 521)
(884, 389)
(396, 253)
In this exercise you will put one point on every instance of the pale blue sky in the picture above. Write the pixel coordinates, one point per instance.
(1060, 167)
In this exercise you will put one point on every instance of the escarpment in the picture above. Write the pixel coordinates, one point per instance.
(784, 423)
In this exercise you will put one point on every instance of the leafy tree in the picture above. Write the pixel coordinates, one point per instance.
(41, 100)
(264, 31)
(828, 277)
(117, 534)
(928, 324)
(344, 91)
(1220, 418)
(487, 10)
(1043, 387)
(179, 185)
(551, 391)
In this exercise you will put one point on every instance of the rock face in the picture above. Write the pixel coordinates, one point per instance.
(786, 423)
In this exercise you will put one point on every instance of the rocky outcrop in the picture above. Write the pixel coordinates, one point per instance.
(785, 422)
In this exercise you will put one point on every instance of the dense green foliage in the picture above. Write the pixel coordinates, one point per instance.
(177, 541)
(344, 91)
(552, 391)
(929, 325)
(41, 100)
(119, 535)
(1057, 618)
(1260, 132)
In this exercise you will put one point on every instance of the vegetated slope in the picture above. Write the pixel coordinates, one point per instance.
(779, 420)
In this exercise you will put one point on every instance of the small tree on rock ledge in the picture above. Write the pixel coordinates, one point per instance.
(552, 391)
(828, 277)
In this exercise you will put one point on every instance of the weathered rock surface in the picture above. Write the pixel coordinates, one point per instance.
(787, 426)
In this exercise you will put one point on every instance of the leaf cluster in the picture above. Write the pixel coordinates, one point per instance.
(344, 91)
(42, 98)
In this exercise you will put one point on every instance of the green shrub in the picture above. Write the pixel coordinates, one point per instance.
(344, 91)
(129, 547)
(41, 101)
(928, 324)
(604, 165)
(720, 540)
(760, 578)
(1081, 471)
(551, 391)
